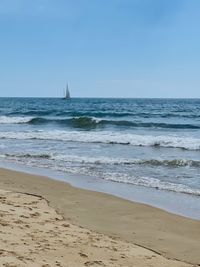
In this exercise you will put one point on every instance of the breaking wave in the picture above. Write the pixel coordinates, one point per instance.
(93, 122)
(84, 168)
(107, 137)
(14, 120)
(107, 160)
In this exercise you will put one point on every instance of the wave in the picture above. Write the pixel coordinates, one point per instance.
(107, 137)
(76, 121)
(152, 183)
(102, 114)
(27, 155)
(170, 163)
(92, 122)
(79, 122)
(14, 120)
(150, 124)
(124, 161)
(84, 168)
(106, 160)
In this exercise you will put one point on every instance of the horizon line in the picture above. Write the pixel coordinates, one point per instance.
(100, 97)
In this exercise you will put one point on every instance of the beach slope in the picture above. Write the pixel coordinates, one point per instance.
(68, 227)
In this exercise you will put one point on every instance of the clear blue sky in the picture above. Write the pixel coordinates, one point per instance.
(108, 48)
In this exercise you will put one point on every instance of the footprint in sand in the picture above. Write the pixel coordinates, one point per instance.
(34, 215)
(94, 263)
(83, 255)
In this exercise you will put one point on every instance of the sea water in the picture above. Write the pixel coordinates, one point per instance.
(151, 143)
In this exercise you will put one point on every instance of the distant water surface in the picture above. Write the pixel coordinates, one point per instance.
(147, 142)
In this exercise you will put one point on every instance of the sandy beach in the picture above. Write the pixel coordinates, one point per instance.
(49, 223)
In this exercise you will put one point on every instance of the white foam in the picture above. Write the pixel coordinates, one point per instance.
(105, 160)
(97, 120)
(14, 120)
(93, 160)
(126, 178)
(40, 160)
(125, 161)
(108, 137)
(92, 119)
(153, 183)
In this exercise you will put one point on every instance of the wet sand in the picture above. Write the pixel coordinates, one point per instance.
(105, 219)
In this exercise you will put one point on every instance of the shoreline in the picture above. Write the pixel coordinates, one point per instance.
(181, 204)
(170, 235)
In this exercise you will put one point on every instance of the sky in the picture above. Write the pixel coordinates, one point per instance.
(102, 48)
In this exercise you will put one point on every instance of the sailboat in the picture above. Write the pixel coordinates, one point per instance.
(66, 93)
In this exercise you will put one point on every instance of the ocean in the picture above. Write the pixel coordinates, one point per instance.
(151, 143)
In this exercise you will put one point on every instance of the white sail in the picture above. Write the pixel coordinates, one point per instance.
(67, 93)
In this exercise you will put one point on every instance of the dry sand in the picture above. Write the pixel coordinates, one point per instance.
(33, 234)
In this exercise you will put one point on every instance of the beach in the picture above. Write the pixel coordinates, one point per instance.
(67, 226)
(99, 134)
